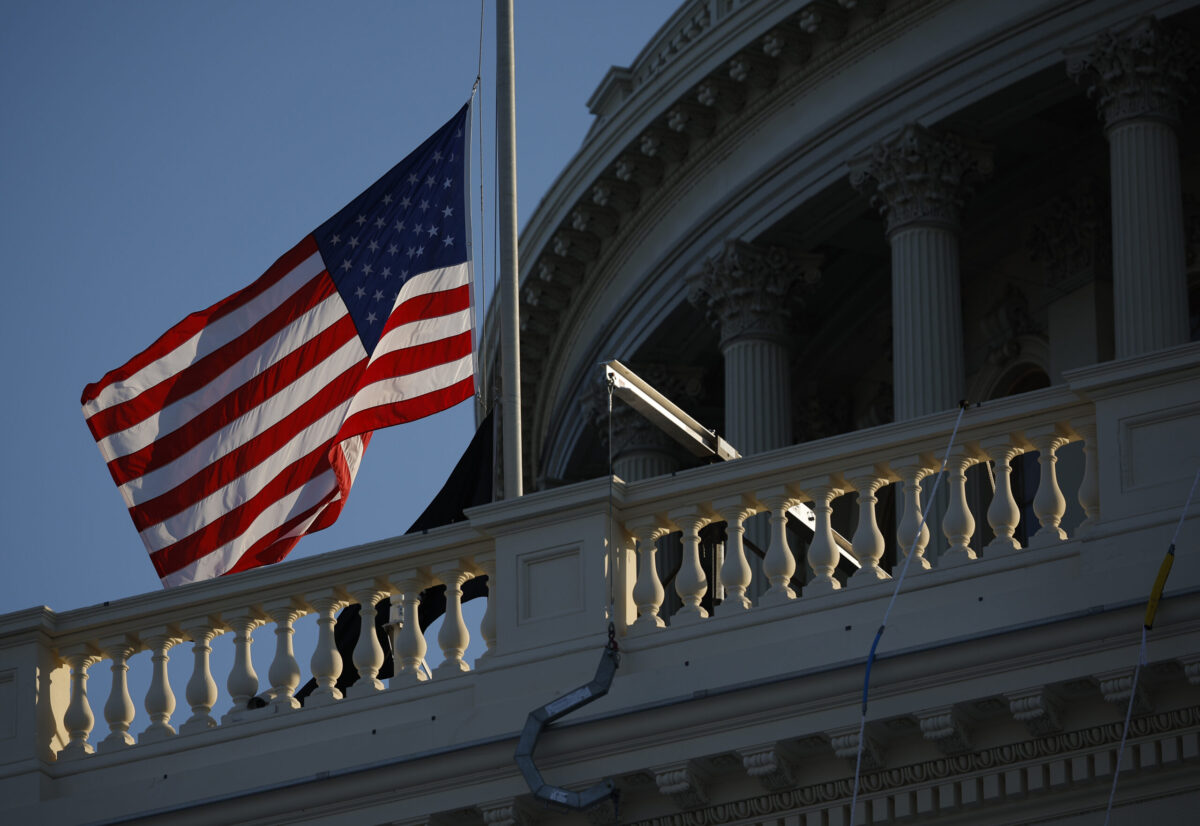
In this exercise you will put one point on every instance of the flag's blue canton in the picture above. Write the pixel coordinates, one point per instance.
(411, 221)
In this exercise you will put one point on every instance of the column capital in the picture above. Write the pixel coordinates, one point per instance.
(1139, 72)
(920, 177)
(746, 290)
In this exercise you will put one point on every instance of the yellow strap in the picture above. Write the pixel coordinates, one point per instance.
(1159, 583)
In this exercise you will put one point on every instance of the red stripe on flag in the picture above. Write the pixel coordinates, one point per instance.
(229, 467)
(429, 305)
(241, 401)
(196, 322)
(408, 410)
(151, 401)
(236, 521)
(415, 359)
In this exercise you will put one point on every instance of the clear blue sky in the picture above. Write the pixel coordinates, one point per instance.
(158, 156)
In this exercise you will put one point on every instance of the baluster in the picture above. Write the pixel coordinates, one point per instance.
(1003, 514)
(243, 680)
(648, 592)
(625, 574)
(1089, 488)
(160, 700)
(735, 570)
(410, 640)
(201, 691)
(119, 709)
(690, 582)
(487, 624)
(958, 525)
(778, 563)
(326, 662)
(867, 544)
(823, 554)
(368, 653)
(453, 638)
(912, 533)
(1048, 503)
(284, 672)
(78, 718)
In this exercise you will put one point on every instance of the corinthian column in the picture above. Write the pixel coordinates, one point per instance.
(918, 180)
(1138, 78)
(746, 292)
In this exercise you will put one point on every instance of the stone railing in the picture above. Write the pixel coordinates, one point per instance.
(197, 615)
(860, 465)
(547, 560)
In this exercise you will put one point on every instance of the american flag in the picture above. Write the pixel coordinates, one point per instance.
(241, 429)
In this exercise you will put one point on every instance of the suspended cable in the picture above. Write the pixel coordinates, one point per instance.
(482, 392)
(862, 726)
(1160, 582)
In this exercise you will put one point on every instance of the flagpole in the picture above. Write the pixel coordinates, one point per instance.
(510, 329)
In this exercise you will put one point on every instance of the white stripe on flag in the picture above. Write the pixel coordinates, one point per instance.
(403, 388)
(245, 428)
(220, 560)
(182, 411)
(208, 340)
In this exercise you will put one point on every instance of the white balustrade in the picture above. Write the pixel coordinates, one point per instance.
(453, 638)
(410, 647)
(78, 718)
(326, 662)
(1089, 488)
(284, 672)
(119, 709)
(912, 531)
(368, 653)
(160, 700)
(201, 691)
(690, 581)
(958, 525)
(648, 593)
(868, 545)
(735, 570)
(243, 680)
(823, 554)
(487, 624)
(1003, 515)
(1048, 503)
(779, 565)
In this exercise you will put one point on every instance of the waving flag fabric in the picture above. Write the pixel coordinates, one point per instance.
(241, 429)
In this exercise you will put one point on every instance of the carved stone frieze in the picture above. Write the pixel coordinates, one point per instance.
(920, 177)
(1037, 709)
(787, 42)
(747, 290)
(845, 745)
(769, 765)
(1072, 238)
(1137, 72)
(663, 145)
(691, 119)
(1191, 668)
(1002, 326)
(684, 783)
(581, 246)
(511, 812)
(1054, 748)
(594, 218)
(721, 93)
(638, 168)
(946, 728)
(754, 69)
(824, 18)
(616, 194)
(1117, 687)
